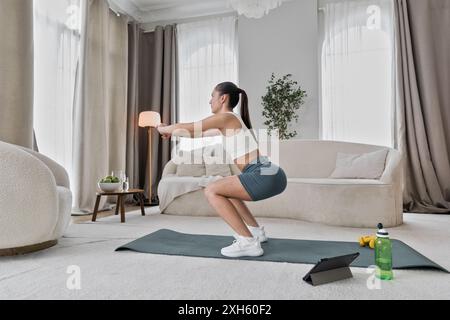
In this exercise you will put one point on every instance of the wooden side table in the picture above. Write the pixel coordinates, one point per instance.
(120, 202)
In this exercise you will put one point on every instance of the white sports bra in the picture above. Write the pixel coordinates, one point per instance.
(241, 143)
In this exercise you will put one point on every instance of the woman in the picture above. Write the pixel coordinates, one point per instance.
(259, 179)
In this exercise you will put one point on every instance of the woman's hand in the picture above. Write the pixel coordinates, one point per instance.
(166, 136)
(162, 130)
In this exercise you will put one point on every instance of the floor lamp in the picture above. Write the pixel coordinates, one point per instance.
(149, 120)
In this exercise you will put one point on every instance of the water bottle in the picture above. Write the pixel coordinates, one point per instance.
(383, 255)
(126, 185)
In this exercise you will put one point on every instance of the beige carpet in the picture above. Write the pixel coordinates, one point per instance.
(106, 274)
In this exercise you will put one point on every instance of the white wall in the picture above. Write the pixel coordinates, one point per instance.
(283, 42)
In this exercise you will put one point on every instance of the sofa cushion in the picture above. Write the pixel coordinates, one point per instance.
(190, 163)
(360, 166)
(323, 181)
(216, 161)
(218, 170)
(191, 170)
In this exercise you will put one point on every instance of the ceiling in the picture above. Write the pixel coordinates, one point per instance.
(148, 5)
(150, 11)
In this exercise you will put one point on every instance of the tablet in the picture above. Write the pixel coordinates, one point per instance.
(338, 263)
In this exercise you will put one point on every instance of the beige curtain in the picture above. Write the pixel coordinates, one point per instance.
(132, 146)
(16, 72)
(100, 116)
(423, 113)
(152, 77)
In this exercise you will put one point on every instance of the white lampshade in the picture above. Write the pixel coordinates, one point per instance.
(149, 119)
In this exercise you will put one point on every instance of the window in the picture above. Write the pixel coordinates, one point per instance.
(357, 71)
(207, 56)
(56, 50)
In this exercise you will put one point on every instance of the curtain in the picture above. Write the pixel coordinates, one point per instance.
(16, 72)
(100, 115)
(207, 55)
(423, 112)
(357, 71)
(157, 91)
(56, 54)
(132, 145)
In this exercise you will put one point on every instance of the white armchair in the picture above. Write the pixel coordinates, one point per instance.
(35, 200)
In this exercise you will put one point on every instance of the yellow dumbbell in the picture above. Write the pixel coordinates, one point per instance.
(362, 243)
(367, 241)
(372, 243)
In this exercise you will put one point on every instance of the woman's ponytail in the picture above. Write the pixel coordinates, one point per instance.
(245, 115)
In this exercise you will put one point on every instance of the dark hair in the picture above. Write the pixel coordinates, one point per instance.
(233, 91)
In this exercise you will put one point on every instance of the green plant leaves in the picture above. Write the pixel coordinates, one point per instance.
(281, 103)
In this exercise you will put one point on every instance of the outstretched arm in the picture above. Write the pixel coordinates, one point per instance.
(207, 127)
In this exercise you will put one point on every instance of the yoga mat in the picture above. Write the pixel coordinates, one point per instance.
(170, 242)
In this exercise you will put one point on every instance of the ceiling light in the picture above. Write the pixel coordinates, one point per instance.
(255, 8)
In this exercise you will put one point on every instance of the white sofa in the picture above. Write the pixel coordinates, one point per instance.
(35, 200)
(312, 196)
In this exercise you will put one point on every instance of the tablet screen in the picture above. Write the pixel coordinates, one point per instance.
(334, 262)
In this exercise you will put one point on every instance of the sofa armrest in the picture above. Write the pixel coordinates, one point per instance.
(60, 174)
(169, 168)
(393, 175)
(393, 169)
(28, 200)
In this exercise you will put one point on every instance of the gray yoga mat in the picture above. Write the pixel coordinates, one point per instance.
(169, 242)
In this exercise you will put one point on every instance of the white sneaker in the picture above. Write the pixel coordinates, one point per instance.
(257, 232)
(243, 247)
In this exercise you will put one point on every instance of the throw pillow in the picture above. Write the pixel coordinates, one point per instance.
(360, 166)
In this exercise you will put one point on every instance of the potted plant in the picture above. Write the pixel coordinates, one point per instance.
(281, 103)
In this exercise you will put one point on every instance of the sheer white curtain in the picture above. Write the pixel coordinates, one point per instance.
(357, 71)
(56, 49)
(207, 56)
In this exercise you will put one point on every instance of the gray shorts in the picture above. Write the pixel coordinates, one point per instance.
(263, 179)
